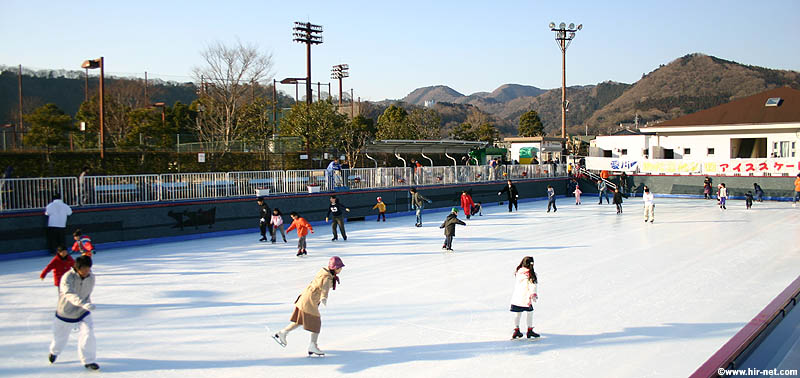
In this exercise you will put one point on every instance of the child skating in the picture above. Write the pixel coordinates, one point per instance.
(577, 194)
(723, 196)
(524, 296)
(276, 224)
(83, 244)
(449, 227)
(303, 228)
(467, 203)
(381, 209)
(60, 264)
(618, 200)
(748, 200)
(551, 198)
(306, 307)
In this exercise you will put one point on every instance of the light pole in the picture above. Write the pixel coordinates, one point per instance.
(92, 64)
(564, 36)
(340, 71)
(163, 107)
(310, 34)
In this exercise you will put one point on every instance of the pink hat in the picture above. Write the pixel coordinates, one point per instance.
(335, 263)
(379, 198)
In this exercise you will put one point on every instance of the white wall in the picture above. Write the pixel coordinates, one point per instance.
(699, 144)
(634, 144)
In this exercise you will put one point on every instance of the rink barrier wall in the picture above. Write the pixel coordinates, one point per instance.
(22, 234)
(741, 345)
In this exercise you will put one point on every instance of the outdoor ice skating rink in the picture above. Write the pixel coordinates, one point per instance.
(618, 297)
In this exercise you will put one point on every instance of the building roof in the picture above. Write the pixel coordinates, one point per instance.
(418, 146)
(534, 139)
(629, 132)
(747, 110)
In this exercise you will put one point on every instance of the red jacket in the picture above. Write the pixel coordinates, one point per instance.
(466, 203)
(59, 266)
(84, 246)
(302, 226)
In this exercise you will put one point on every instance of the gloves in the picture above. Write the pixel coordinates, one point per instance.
(535, 297)
(429, 201)
(324, 301)
(326, 220)
(498, 193)
(88, 306)
(263, 220)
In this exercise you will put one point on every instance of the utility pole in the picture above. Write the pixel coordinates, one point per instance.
(340, 71)
(274, 107)
(564, 36)
(19, 86)
(310, 34)
(146, 98)
(86, 86)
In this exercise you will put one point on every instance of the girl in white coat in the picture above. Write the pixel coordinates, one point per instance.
(524, 295)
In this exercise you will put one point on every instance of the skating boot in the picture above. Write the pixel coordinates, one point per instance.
(313, 349)
(92, 367)
(52, 358)
(305, 253)
(280, 338)
(299, 252)
(531, 333)
(517, 334)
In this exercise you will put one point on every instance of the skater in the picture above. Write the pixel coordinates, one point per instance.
(263, 221)
(796, 190)
(748, 200)
(618, 200)
(381, 209)
(57, 212)
(524, 296)
(449, 227)
(74, 309)
(513, 195)
(306, 310)
(707, 187)
(649, 205)
(477, 209)
(467, 203)
(723, 195)
(83, 244)
(335, 210)
(276, 224)
(759, 192)
(602, 189)
(551, 198)
(418, 203)
(60, 264)
(303, 228)
(623, 182)
(577, 194)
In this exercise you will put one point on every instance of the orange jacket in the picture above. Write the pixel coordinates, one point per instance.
(302, 226)
(797, 184)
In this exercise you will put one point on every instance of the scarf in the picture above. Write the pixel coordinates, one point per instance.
(335, 278)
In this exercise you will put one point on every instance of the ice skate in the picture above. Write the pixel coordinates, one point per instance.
(52, 358)
(92, 367)
(531, 334)
(517, 334)
(299, 253)
(280, 338)
(313, 350)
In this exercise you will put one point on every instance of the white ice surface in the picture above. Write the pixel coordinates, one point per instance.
(618, 297)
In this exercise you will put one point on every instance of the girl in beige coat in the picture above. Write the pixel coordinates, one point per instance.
(306, 307)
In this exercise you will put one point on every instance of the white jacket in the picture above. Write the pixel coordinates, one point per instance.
(74, 293)
(524, 289)
(57, 212)
(649, 198)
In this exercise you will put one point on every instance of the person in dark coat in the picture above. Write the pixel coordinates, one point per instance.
(759, 192)
(513, 195)
(336, 211)
(623, 182)
(449, 227)
(264, 214)
(618, 200)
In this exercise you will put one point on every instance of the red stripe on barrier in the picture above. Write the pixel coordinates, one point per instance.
(739, 342)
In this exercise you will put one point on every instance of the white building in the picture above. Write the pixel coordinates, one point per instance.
(525, 149)
(762, 126)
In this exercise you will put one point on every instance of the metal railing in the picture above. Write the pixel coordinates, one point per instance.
(36, 193)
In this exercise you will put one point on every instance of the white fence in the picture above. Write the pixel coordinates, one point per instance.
(36, 193)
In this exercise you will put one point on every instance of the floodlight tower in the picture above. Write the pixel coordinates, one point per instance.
(564, 36)
(340, 71)
(310, 34)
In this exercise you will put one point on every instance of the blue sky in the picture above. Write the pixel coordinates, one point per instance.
(395, 47)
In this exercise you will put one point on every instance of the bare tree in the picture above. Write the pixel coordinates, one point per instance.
(228, 74)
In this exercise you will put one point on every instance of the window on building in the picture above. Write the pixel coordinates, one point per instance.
(783, 149)
(624, 151)
(710, 152)
(687, 151)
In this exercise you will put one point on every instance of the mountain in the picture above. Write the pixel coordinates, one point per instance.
(438, 93)
(688, 84)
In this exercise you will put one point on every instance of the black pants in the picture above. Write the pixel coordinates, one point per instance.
(619, 208)
(448, 241)
(512, 202)
(338, 221)
(55, 238)
(552, 202)
(263, 228)
(380, 214)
